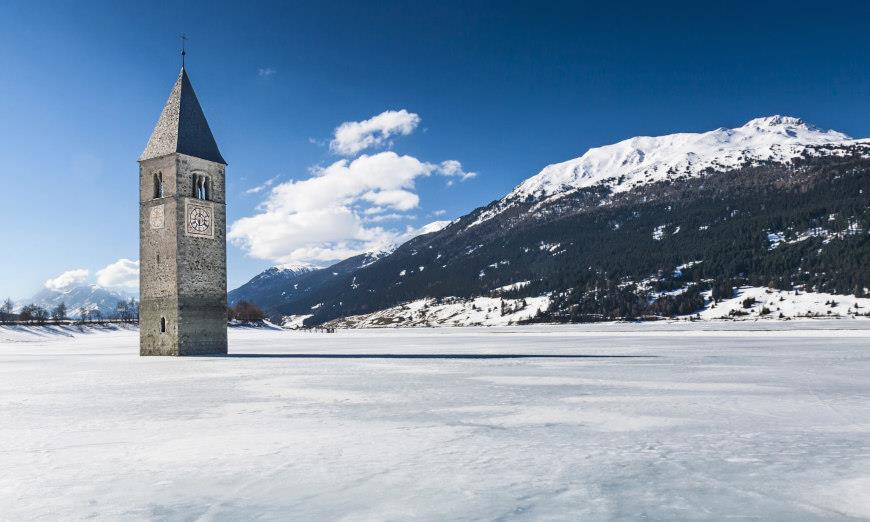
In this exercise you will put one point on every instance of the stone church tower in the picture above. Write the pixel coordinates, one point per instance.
(182, 233)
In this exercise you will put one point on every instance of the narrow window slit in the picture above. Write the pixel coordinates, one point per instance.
(158, 185)
(201, 186)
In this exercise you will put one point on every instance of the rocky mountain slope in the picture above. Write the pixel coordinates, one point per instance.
(645, 227)
(279, 287)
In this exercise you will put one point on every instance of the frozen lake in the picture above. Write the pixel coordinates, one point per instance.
(769, 422)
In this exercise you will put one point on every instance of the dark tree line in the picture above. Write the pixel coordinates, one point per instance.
(588, 255)
(126, 311)
(246, 312)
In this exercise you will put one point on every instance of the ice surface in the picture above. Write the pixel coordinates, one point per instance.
(768, 421)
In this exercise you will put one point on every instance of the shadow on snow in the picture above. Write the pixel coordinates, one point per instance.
(428, 356)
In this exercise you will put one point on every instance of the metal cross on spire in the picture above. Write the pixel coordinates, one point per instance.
(183, 48)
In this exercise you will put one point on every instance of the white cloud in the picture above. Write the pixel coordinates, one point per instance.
(320, 219)
(452, 168)
(263, 186)
(266, 71)
(123, 273)
(342, 209)
(397, 199)
(67, 279)
(387, 217)
(352, 137)
(439, 212)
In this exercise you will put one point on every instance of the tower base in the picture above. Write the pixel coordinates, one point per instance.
(183, 327)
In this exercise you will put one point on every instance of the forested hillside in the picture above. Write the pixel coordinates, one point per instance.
(658, 239)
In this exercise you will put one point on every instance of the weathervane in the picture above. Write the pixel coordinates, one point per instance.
(183, 48)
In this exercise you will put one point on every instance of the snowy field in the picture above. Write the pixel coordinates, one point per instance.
(712, 421)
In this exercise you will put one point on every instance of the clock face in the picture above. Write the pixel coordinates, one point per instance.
(199, 219)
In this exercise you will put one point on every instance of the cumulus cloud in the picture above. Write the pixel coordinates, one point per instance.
(351, 206)
(67, 279)
(352, 137)
(397, 199)
(123, 273)
(378, 218)
(452, 168)
(320, 218)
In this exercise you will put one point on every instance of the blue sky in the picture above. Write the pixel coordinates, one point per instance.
(504, 88)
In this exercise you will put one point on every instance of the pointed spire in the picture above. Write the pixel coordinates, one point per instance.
(182, 126)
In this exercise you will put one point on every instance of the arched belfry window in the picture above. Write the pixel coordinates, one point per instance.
(201, 187)
(158, 185)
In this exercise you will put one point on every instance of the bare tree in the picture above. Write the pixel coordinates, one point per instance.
(6, 310)
(122, 311)
(133, 307)
(34, 313)
(58, 313)
(247, 312)
(27, 313)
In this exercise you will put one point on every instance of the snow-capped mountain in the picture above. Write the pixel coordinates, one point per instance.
(268, 282)
(281, 272)
(294, 268)
(286, 283)
(78, 297)
(643, 160)
(647, 227)
(434, 226)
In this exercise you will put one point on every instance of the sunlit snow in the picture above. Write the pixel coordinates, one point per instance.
(642, 160)
(702, 422)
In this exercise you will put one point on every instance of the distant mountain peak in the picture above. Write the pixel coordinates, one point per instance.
(78, 296)
(642, 160)
(296, 268)
(434, 226)
(776, 119)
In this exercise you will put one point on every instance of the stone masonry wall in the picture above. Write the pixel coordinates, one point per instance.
(187, 284)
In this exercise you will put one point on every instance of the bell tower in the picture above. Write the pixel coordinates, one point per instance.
(182, 233)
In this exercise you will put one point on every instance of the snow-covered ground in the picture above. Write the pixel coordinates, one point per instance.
(748, 304)
(766, 420)
(449, 311)
(753, 303)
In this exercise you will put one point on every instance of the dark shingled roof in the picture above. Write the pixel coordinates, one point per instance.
(182, 127)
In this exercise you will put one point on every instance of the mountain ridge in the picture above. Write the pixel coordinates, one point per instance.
(604, 247)
(641, 160)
